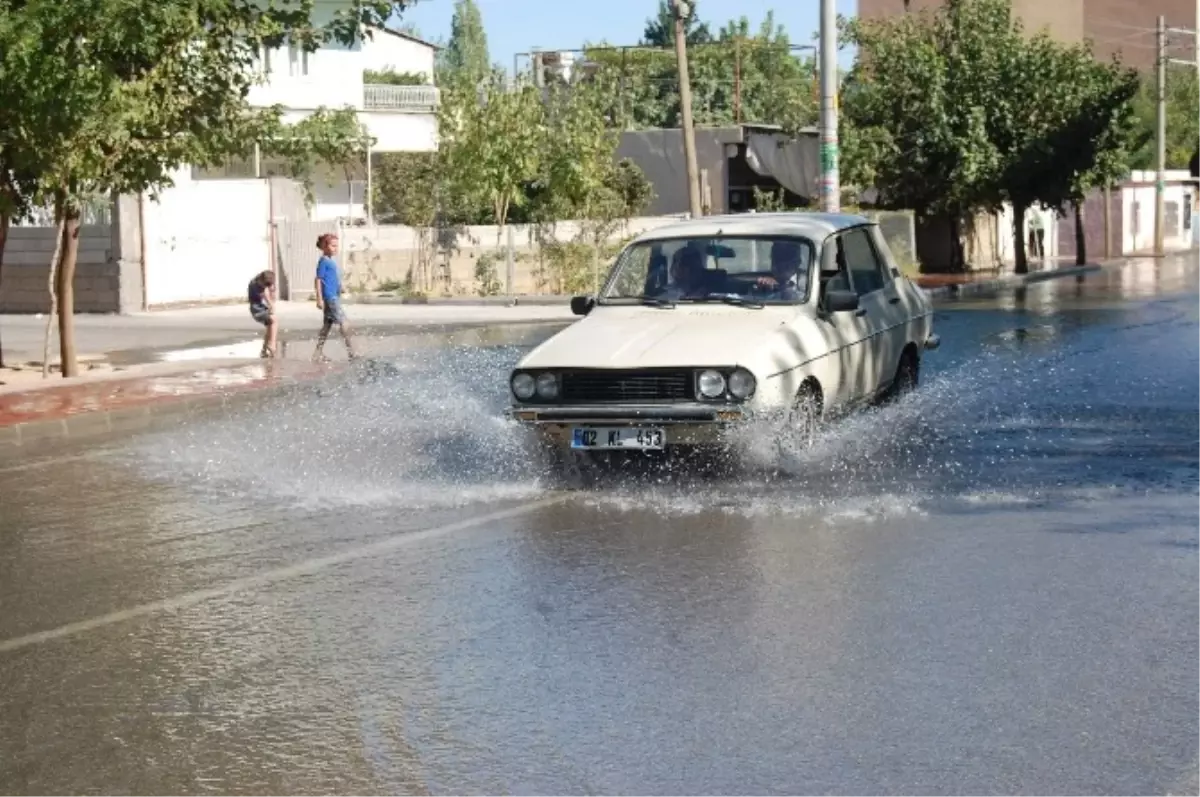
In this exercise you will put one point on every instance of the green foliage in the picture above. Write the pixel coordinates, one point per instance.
(325, 138)
(954, 111)
(490, 138)
(487, 280)
(660, 29)
(390, 77)
(739, 74)
(404, 184)
(465, 56)
(769, 201)
(1182, 101)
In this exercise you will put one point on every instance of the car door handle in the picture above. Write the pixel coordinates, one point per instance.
(894, 300)
(861, 312)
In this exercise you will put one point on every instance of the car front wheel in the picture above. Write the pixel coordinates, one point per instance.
(803, 423)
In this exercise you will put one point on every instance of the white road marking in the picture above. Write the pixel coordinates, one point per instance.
(304, 568)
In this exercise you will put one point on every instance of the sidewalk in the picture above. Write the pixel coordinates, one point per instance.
(131, 400)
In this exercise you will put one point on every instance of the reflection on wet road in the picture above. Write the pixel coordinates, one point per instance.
(361, 587)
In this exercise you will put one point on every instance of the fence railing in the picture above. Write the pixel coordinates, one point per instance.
(406, 99)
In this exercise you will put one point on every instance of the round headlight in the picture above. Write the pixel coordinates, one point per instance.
(711, 384)
(547, 386)
(742, 384)
(523, 386)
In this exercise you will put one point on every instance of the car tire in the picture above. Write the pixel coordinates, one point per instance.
(803, 423)
(908, 376)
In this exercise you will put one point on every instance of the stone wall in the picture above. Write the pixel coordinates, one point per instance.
(26, 267)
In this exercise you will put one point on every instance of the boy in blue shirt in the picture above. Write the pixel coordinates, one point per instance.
(328, 287)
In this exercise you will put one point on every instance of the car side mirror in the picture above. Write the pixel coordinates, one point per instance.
(582, 305)
(841, 301)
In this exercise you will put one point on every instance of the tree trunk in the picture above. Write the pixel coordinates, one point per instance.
(5, 221)
(51, 283)
(1020, 262)
(1080, 236)
(956, 250)
(66, 294)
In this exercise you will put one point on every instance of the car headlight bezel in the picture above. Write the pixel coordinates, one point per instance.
(716, 381)
(744, 376)
(547, 386)
(523, 378)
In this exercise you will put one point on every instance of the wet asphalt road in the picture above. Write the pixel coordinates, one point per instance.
(990, 588)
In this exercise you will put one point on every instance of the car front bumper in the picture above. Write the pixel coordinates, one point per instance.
(683, 424)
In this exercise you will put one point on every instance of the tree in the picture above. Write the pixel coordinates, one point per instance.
(738, 75)
(466, 54)
(1181, 103)
(916, 105)
(660, 29)
(1108, 107)
(489, 139)
(110, 97)
(324, 139)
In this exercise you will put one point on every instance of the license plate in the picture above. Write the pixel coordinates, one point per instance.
(618, 437)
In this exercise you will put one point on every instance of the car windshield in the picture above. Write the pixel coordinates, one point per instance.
(751, 271)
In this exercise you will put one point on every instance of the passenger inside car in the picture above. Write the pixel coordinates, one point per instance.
(788, 272)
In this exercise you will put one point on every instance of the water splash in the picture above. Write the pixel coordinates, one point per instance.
(1011, 425)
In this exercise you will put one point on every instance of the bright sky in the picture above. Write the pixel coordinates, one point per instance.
(517, 26)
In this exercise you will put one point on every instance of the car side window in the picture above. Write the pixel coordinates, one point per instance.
(865, 269)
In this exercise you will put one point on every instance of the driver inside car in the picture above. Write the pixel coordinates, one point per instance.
(782, 284)
(687, 275)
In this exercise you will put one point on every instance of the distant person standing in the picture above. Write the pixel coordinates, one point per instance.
(262, 309)
(328, 287)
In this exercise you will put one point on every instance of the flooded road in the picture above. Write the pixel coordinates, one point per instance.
(361, 588)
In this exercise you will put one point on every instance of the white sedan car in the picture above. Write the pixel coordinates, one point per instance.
(706, 324)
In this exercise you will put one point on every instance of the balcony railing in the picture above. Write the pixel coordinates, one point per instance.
(404, 99)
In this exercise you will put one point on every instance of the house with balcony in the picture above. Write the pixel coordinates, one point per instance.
(400, 118)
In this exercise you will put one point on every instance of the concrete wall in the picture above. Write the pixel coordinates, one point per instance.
(1137, 224)
(206, 239)
(375, 255)
(26, 268)
(659, 153)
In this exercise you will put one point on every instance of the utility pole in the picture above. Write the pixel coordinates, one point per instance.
(831, 199)
(682, 11)
(1160, 133)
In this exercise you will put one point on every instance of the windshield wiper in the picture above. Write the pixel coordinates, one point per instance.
(655, 301)
(733, 299)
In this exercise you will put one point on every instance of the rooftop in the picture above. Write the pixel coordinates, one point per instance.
(797, 223)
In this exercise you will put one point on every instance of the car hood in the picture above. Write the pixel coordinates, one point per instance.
(646, 337)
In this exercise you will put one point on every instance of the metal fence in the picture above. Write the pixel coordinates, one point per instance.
(405, 99)
(95, 211)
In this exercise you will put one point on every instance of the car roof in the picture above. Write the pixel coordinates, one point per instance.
(816, 226)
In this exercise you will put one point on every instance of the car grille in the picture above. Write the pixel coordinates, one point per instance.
(620, 386)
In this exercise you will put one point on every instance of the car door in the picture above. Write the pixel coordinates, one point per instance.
(901, 308)
(847, 332)
(875, 310)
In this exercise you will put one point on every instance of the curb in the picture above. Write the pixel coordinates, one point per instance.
(144, 415)
(1010, 281)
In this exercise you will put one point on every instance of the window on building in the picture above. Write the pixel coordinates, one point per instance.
(266, 60)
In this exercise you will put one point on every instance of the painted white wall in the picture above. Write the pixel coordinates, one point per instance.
(394, 131)
(385, 50)
(1137, 223)
(205, 239)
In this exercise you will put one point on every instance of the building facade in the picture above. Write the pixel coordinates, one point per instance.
(1115, 27)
